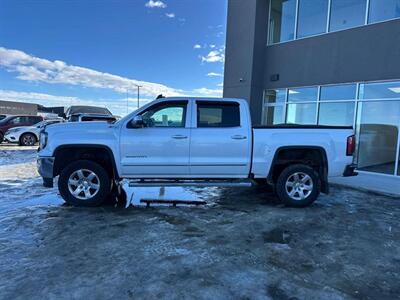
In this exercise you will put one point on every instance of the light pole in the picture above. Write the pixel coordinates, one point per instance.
(127, 102)
(138, 91)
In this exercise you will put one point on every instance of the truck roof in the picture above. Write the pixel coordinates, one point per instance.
(203, 98)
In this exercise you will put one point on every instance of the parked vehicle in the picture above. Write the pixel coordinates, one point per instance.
(28, 135)
(195, 141)
(91, 117)
(3, 117)
(72, 113)
(17, 121)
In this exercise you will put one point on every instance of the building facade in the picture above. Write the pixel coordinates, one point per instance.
(326, 62)
(17, 108)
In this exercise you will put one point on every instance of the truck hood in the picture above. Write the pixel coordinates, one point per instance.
(80, 126)
(80, 133)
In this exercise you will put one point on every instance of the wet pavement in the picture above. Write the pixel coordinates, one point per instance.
(243, 244)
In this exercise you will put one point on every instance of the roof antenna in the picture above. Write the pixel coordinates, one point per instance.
(160, 96)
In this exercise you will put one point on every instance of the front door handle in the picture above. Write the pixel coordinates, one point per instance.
(179, 137)
(238, 137)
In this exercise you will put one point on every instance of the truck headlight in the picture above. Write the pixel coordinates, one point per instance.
(43, 140)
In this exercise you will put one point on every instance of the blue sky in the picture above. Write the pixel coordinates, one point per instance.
(62, 52)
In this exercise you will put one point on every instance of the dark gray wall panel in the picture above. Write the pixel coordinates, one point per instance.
(360, 54)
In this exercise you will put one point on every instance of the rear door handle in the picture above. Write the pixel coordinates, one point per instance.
(238, 137)
(179, 137)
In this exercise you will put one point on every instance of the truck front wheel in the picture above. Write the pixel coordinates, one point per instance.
(84, 183)
(298, 185)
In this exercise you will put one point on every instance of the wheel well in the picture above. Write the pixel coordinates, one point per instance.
(312, 156)
(25, 133)
(100, 155)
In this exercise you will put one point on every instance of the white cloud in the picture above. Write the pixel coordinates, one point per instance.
(197, 46)
(214, 56)
(213, 74)
(212, 46)
(31, 68)
(32, 97)
(38, 70)
(155, 4)
(208, 92)
(170, 15)
(116, 106)
(220, 84)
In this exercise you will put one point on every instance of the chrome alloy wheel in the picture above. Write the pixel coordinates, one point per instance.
(299, 186)
(28, 140)
(83, 184)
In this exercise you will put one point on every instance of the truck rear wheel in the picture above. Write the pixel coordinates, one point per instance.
(84, 183)
(298, 185)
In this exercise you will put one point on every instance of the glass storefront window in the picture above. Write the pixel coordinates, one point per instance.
(282, 21)
(347, 13)
(380, 90)
(308, 94)
(338, 92)
(378, 132)
(312, 17)
(275, 96)
(336, 114)
(378, 117)
(304, 114)
(381, 10)
(274, 115)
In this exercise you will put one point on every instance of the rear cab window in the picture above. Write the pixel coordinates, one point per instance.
(214, 114)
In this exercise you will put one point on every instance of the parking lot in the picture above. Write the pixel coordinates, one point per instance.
(242, 244)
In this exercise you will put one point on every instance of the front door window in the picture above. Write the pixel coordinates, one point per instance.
(165, 115)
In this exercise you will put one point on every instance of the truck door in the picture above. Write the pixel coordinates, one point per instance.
(220, 140)
(161, 147)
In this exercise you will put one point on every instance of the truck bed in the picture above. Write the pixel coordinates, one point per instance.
(268, 141)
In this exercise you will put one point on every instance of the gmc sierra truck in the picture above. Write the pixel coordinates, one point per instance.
(193, 141)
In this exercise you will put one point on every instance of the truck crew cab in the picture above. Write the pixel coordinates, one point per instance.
(199, 141)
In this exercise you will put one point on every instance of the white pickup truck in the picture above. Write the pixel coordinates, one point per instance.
(193, 141)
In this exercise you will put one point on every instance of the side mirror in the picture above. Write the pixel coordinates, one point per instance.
(137, 122)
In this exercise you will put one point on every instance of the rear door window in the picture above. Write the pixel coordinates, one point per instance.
(217, 114)
(34, 120)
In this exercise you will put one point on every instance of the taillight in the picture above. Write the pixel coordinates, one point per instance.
(351, 145)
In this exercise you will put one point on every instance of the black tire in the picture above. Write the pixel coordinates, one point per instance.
(310, 192)
(103, 179)
(28, 139)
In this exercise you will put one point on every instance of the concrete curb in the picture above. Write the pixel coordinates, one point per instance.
(365, 190)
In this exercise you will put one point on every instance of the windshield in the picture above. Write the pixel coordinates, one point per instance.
(88, 110)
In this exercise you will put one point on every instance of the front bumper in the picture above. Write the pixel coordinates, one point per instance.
(11, 138)
(350, 170)
(45, 167)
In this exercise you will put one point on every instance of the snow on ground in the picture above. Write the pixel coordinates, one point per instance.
(244, 246)
(21, 184)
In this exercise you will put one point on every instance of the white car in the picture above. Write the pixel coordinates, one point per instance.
(193, 141)
(28, 135)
